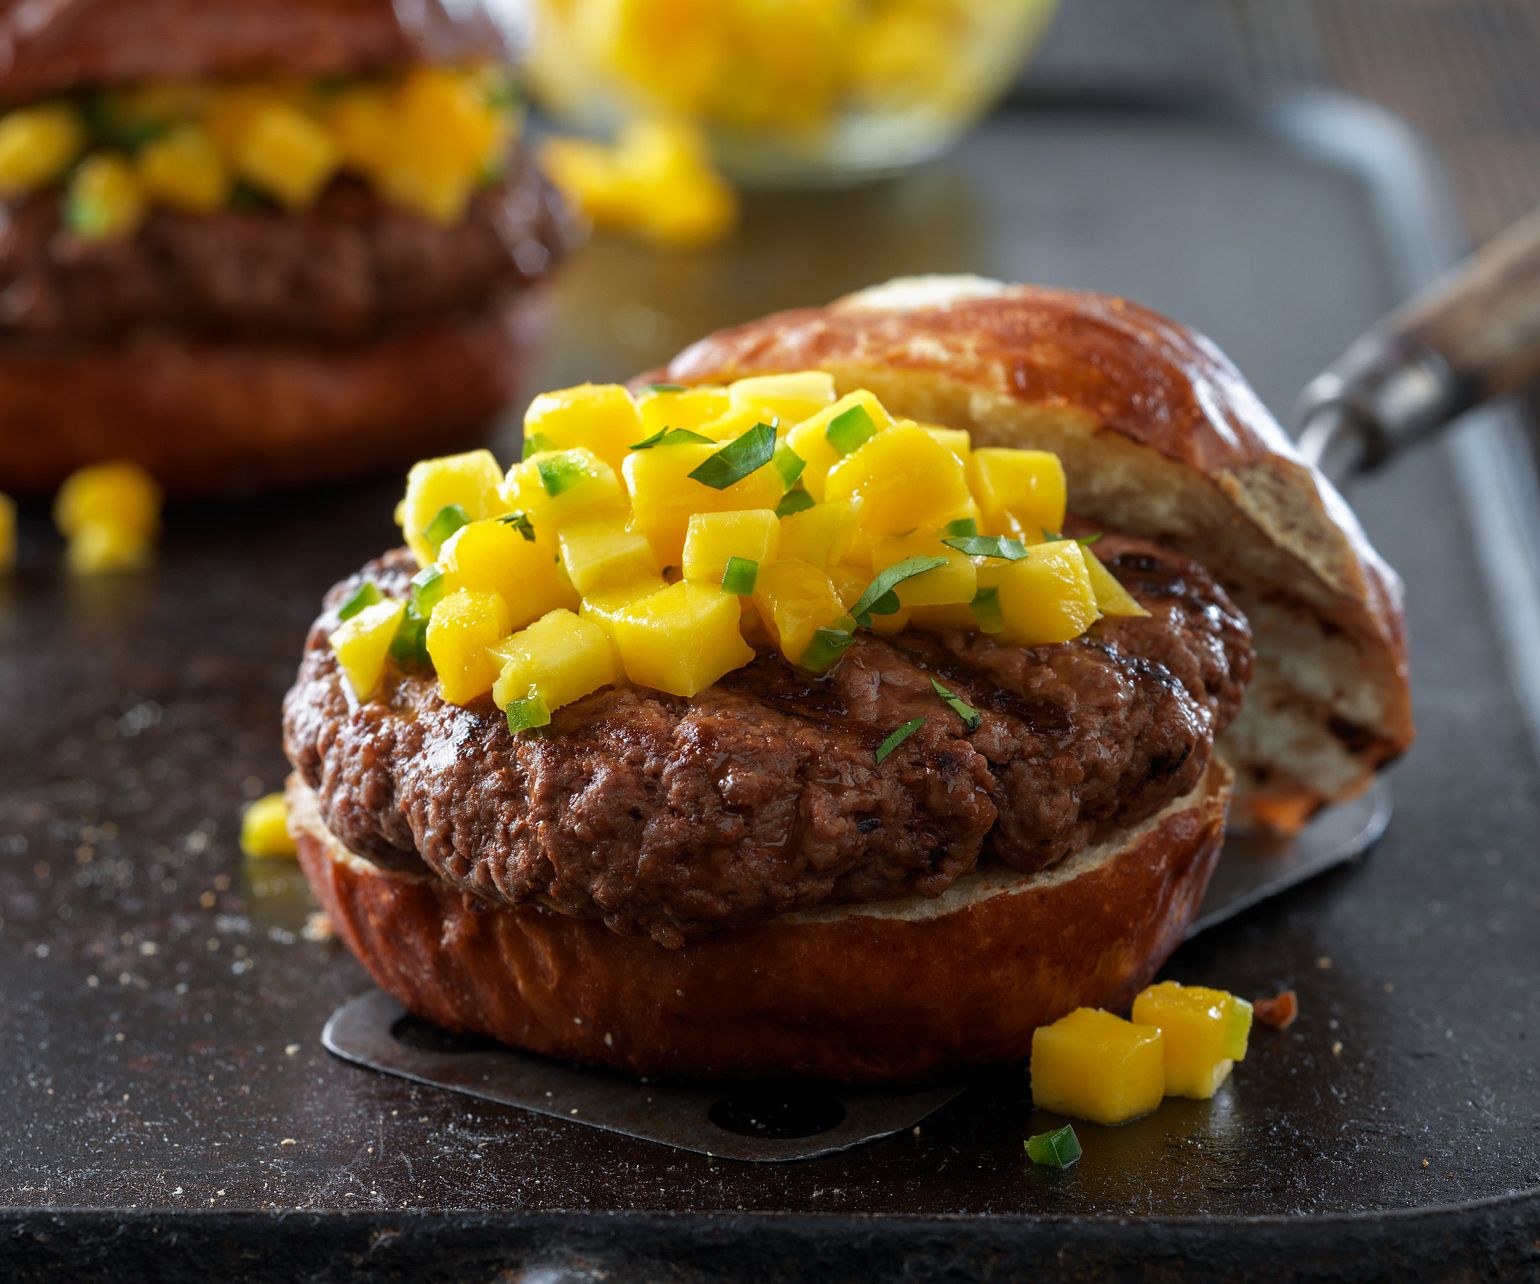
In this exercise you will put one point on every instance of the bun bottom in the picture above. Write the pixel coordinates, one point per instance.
(897, 991)
(226, 418)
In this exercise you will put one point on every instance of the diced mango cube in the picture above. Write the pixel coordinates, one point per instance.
(183, 170)
(446, 136)
(362, 644)
(1018, 491)
(462, 631)
(491, 556)
(753, 534)
(601, 417)
(7, 534)
(1111, 597)
(677, 199)
(603, 606)
(795, 599)
(599, 550)
(1045, 597)
(37, 145)
(287, 154)
(1093, 1065)
(689, 408)
(1203, 1034)
(265, 828)
(664, 496)
(681, 639)
(556, 486)
(102, 548)
(956, 440)
(561, 657)
(955, 582)
(904, 479)
(121, 495)
(821, 535)
(850, 418)
(472, 480)
(785, 397)
(363, 125)
(105, 200)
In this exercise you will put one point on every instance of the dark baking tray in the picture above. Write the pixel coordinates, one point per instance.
(167, 1109)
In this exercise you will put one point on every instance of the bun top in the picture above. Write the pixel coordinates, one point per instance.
(50, 46)
(1160, 437)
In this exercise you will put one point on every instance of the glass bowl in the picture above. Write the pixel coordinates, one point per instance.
(788, 92)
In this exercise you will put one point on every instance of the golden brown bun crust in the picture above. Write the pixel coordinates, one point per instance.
(51, 45)
(214, 420)
(1161, 437)
(899, 991)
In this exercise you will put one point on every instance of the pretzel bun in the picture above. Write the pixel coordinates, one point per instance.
(828, 994)
(51, 46)
(208, 418)
(1161, 437)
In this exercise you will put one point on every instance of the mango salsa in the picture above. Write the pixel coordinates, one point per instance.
(462, 631)
(559, 658)
(184, 171)
(37, 145)
(105, 200)
(1093, 1065)
(120, 495)
(1203, 1034)
(1019, 492)
(362, 644)
(286, 154)
(564, 576)
(680, 640)
(265, 828)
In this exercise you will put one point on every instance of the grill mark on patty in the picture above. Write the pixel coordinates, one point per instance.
(674, 817)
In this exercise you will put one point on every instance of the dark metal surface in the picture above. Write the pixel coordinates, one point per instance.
(768, 1123)
(159, 1050)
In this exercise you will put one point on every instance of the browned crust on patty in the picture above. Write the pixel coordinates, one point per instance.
(761, 795)
(47, 46)
(907, 991)
(1161, 437)
(212, 419)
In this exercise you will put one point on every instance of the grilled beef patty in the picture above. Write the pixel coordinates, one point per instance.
(674, 817)
(350, 268)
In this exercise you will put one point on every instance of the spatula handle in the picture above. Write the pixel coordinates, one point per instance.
(1471, 337)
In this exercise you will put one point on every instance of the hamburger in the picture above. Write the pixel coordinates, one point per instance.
(252, 243)
(846, 700)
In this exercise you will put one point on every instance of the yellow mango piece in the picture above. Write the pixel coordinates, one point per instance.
(681, 201)
(105, 200)
(37, 145)
(811, 440)
(904, 479)
(1111, 597)
(120, 495)
(676, 50)
(561, 657)
(362, 645)
(681, 639)
(954, 583)
(102, 548)
(462, 631)
(286, 154)
(599, 417)
(591, 179)
(265, 828)
(822, 535)
(786, 397)
(954, 439)
(556, 486)
(490, 556)
(599, 550)
(753, 533)
(795, 599)
(664, 496)
(1018, 491)
(363, 125)
(1093, 1065)
(734, 422)
(1203, 1034)
(446, 137)
(957, 616)
(691, 409)
(1045, 597)
(604, 605)
(472, 480)
(7, 534)
(183, 170)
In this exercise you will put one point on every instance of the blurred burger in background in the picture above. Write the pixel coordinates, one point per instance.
(256, 242)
